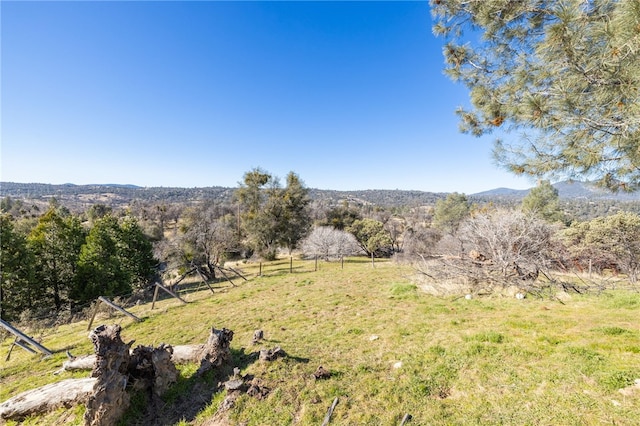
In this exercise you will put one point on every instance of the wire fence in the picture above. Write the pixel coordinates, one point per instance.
(40, 323)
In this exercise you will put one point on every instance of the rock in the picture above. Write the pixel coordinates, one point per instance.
(271, 354)
(321, 373)
(258, 335)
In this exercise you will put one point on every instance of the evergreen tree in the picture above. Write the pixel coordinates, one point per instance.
(100, 270)
(543, 201)
(371, 235)
(608, 240)
(136, 253)
(55, 243)
(297, 219)
(272, 216)
(563, 75)
(17, 292)
(450, 212)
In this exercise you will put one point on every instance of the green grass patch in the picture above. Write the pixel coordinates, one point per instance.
(613, 331)
(391, 349)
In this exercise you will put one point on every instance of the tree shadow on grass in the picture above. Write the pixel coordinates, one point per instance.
(189, 396)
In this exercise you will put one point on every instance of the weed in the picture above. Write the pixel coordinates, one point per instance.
(487, 336)
(618, 379)
(612, 331)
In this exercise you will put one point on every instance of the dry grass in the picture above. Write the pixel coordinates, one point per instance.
(391, 349)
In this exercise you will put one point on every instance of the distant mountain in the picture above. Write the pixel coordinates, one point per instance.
(502, 193)
(566, 190)
(80, 196)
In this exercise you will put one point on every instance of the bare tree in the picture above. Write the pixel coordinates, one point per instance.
(206, 237)
(503, 247)
(330, 243)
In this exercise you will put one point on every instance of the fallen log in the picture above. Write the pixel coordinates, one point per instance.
(182, 354)
(116, 369)
(85, 362)
(66, 393)
(216, 348)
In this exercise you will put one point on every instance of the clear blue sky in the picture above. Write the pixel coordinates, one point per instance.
(349, 95)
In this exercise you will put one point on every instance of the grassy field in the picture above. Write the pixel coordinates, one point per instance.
(391, 349)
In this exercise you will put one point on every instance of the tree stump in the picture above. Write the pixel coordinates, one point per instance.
(258, 335)
(152, 368)
(110, 398)
(215, 351)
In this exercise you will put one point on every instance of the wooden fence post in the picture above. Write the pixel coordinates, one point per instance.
(155, 295)
(160, 286)
(113, 306)
(22, 339)
(291, 264)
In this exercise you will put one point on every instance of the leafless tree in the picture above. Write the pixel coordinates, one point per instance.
(329, 243)
(501, 248)
(206, 236)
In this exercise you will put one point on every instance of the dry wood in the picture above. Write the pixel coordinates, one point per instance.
(327, 418)
(216, 350)
(85, 362)
(271, 354)
(182, 354)
(112, 306)
(109, 399)
(117, 368)
(405, 419)
(173, 294)
(65, 393)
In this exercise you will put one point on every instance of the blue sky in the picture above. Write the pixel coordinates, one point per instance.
(349, 95)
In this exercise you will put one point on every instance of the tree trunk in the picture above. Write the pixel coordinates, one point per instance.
(109, 399)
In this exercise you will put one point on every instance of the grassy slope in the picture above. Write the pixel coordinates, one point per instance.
(481, 361)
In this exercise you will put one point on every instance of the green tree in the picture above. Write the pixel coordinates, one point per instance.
(115, 259)
(371, 235)
(55, 243)
(100, 272)
(543, 201)
(136, 253)
(450, 212)
(342, 217)
(17, 290)
(297, 219)
(252, 198)
(271, 216)
(562, 75)
(97, 211)
(606, 240)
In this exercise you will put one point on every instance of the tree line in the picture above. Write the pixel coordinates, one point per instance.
(61, 261)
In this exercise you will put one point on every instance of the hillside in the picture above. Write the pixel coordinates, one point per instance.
(579, 200)
(391, 350)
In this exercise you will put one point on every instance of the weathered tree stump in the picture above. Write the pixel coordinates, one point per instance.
(109, 399)
(258, 335)
(215, 351)
(152, 368)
